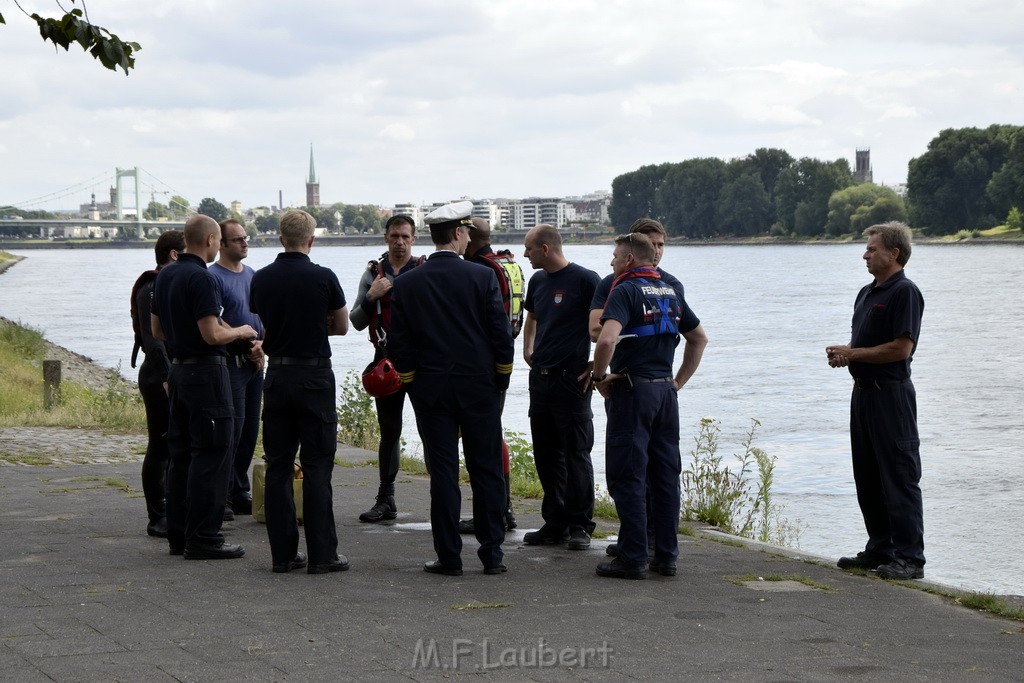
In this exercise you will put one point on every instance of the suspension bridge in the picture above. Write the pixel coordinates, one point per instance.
(123, 216)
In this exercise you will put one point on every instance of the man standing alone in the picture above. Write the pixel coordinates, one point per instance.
(300, 304)
(556, 346)
(883, 410)
(245, 359)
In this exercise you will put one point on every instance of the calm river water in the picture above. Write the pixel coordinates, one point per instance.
(769, 313)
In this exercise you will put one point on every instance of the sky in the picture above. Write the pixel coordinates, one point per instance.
(432, 100)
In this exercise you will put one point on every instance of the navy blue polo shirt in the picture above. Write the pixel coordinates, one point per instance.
(687, 321)
(881, 314)
(560, 304)
(183, 294)
(292, 296)
(637, 304)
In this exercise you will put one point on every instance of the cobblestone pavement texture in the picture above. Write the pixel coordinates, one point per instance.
(86, 595)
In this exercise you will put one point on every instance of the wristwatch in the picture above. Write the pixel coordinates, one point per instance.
(595, 378)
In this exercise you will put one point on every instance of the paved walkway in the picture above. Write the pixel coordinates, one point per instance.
(86, 595)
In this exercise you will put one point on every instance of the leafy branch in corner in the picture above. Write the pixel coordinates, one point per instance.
(74, 26)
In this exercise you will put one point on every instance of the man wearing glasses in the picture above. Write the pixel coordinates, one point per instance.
(245, 361)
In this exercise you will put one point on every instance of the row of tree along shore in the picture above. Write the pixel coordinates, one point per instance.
(968, 180)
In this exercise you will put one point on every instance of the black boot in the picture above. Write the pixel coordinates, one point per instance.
(510, 517)
(384, 508)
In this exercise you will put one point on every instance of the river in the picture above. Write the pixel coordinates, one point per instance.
(769, 313)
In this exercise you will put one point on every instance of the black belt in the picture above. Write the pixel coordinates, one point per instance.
(201, 360)
(291, 360)
(647, 380)
(868, 383)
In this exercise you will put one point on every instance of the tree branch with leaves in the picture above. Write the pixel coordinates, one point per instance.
(74, 26)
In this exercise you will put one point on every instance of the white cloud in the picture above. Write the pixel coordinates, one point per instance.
(541, 97)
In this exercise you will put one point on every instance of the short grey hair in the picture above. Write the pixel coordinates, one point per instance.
(895, 235)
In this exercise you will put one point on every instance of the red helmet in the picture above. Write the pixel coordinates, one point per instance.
(381, 379)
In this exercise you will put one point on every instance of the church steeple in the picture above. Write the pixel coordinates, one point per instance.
(312, 183)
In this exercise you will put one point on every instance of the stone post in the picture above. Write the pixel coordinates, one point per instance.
(51, 383)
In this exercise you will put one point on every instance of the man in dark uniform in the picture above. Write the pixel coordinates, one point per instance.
(300, 304)
(373, 310)
(479, 251)
(452, 345)
(153, 375)
(556, 346)
(186, 315)
(883, 410)
(694, 337)
(633, 371)
(245, 360)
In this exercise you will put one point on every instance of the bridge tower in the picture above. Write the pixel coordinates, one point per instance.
(132, 173)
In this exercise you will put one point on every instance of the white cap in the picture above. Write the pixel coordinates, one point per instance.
(456, 211)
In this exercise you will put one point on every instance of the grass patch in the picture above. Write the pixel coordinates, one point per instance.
(983, 602)
(1002, 231)
(604, 507)
(33, 459)
(409, 465)
(113, 482)
(118, 407)
(727, 541)
(479, 605)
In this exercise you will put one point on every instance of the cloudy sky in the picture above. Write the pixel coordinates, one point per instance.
(428, 100)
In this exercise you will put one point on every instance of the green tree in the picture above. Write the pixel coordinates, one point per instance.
(634, 195)
(803, 190)
(1015, 219)
(178, 206)
(947, 185)
(849, 208)
(687, 199)
(212, 208)
(74, 27)
(744, 207)
(269, 223)
(155, 210)
(1006, 187)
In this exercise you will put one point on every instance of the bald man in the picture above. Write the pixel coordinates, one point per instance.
(186, 316)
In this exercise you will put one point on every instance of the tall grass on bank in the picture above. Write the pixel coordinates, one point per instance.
(117, 407)
(736, 499)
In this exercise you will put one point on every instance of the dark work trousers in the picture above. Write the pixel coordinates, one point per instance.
(444, 405)
(199, 440)
(562, 425)
(887, 469)
(642, 453)
(389, 417)
(246, 393)
(154, 465)
(299, 415)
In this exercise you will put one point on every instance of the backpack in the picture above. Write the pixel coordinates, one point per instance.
(380, 315)
(146, 278)
(512, 284)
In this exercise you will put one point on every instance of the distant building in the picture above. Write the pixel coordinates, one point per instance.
(236, 207)
(99, 207)
(411, 210)
(312, 184)
(592, 207)
(862, 173)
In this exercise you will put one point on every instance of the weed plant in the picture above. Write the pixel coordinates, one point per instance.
(736, 499)
(357, 415)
